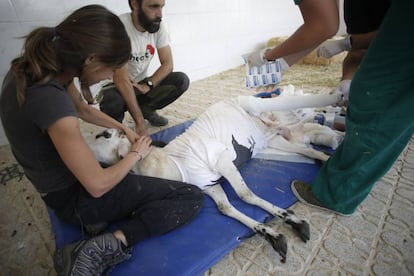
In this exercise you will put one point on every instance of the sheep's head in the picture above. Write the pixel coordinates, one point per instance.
(110, 146)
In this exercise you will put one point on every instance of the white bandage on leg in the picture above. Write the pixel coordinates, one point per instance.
(255, 106)
(343, 89)
(344, 86)
(322, 135)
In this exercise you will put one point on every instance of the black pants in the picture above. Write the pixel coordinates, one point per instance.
(146, 206)
(172, 87)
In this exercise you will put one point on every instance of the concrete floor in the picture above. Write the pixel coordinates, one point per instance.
(377, 240)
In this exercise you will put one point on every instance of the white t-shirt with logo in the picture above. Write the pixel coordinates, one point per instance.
(143, 46)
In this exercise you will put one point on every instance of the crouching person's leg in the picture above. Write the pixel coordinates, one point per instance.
(170, 89)
(112, 103)
(148, 207)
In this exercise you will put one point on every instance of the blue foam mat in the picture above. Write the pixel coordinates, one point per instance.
(194, 248)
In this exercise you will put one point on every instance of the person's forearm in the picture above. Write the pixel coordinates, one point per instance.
(296, 46)
(97, 117)
(161, 73)
(321, 21)
(128, 94)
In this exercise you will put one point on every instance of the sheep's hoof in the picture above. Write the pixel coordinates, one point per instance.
(278, 243)
(301, 228)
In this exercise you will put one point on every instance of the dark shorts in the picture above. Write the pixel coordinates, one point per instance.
(364, 16)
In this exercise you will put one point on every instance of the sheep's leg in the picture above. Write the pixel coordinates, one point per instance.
(256, 105)
(278, 241)
(227, 169)
(280, 143)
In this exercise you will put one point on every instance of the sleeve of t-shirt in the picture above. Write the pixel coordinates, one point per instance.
(163, 37)
(48, 104)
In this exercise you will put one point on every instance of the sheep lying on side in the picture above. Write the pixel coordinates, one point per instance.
(225, 136)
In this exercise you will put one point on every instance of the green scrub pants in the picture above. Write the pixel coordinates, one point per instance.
(380, 117)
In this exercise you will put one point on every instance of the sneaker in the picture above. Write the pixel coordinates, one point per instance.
(156, 120)
(303, 192)
(90, 257)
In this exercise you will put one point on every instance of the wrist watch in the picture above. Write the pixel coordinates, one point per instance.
(149, 83)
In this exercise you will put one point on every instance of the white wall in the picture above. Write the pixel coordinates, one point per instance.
(208, 36)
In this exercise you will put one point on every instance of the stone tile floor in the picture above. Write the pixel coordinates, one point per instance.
(377, 240)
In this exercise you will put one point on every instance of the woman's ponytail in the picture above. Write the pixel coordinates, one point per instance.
(37, 63)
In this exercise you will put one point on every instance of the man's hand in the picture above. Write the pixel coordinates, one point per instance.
(140, 88)
(141, 129)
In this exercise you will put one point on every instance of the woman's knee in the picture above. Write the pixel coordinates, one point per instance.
(194, 199)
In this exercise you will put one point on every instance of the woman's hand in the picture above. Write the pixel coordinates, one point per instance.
(142, 147)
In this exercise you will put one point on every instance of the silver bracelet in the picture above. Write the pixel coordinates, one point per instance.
(140, 156)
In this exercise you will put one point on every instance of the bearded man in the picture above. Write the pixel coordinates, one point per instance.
(132, 89)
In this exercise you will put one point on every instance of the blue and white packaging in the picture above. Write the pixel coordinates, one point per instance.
(264, 75)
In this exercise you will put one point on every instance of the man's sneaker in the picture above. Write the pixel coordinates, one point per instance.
(156, 120)
(90, 257)
(303, 192)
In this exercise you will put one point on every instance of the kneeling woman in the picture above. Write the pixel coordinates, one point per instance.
(39, 112)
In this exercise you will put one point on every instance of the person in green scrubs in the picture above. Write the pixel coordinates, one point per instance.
(379, 120)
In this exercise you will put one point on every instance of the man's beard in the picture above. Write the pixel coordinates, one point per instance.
(149, 25)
